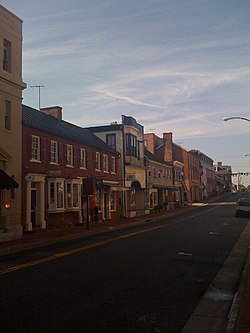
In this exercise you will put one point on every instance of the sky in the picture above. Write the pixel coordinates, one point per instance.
(176, 66)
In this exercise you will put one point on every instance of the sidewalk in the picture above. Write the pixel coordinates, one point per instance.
(237, 319)
(42, 237)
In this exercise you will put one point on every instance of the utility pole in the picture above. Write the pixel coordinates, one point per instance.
(39, 94)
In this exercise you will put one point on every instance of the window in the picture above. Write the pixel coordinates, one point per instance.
(113, 165)
(69, 155)
(6, 55)
(112, 201)
(83, 159)
(97, 161)
(111, 140)
(54, 152)
(132, 197)
(7, 116)
(35, 149)
(105, 163)
(131, 145)
(72, 194)
(56, 194)
(98, 199)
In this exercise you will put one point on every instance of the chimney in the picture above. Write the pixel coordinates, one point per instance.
(150, 142)
(54, 111)
(168, 147)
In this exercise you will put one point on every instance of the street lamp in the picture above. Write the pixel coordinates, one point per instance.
(231, 118)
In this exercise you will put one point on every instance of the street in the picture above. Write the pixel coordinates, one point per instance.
(145, 278)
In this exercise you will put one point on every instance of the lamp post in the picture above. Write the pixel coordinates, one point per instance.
(231, 118)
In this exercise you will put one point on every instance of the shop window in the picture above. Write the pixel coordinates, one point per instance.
(98, 200)
(132, 197)
(56, 194)
(72, 194)
(112, 201)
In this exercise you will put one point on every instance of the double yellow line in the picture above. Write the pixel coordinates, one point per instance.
(94, 245)
(73, 251)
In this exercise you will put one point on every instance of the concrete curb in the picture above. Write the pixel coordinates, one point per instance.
(97, 229)
(217, 310)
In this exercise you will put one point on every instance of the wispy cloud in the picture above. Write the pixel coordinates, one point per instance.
(126, 99)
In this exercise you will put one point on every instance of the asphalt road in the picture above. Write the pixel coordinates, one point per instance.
(146, 278)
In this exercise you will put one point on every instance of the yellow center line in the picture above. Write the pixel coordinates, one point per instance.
(79, 249)
(94, 245)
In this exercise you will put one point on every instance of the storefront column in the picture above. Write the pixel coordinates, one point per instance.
(42, 222)
(28, 207)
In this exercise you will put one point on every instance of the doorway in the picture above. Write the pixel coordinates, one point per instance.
(33, 207)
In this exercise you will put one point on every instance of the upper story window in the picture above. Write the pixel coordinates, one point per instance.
(105, 163)
(83, 160)
(54, 151)
(7, 115)
(111, 140)
(97, 161)
(36, 148)
(113, 165)
(6, 55)
(131, 145)
(69, 155)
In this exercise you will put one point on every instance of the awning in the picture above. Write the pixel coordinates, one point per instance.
(119, 188)
(162, 187)
(6, 182)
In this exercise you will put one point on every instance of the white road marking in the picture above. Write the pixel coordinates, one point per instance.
(185, 254)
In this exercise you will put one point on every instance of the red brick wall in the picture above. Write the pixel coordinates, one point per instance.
(44, 167)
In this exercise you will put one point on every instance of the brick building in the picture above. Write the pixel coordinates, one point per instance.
(69, 175)
(208, 183)
(173, 154)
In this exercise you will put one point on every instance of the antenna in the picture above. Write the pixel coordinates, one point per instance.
(39, 94)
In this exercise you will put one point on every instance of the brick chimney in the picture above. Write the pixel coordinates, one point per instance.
(54, 111)
(150, 139)
(168, 147)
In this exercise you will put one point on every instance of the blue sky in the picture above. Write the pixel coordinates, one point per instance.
(175, 65)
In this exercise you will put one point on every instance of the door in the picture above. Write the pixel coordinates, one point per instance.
(33, 205)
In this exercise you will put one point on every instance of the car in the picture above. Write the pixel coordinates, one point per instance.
(242, 207)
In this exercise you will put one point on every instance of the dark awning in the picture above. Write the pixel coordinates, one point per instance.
(162, 187)
(6, 182)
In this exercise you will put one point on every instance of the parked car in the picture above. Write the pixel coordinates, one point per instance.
(242, 207)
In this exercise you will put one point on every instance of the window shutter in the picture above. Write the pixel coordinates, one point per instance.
(60, 153)
(43, 148)
(86, 158)
(48, 150)
(76, 155)
(28, 146)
